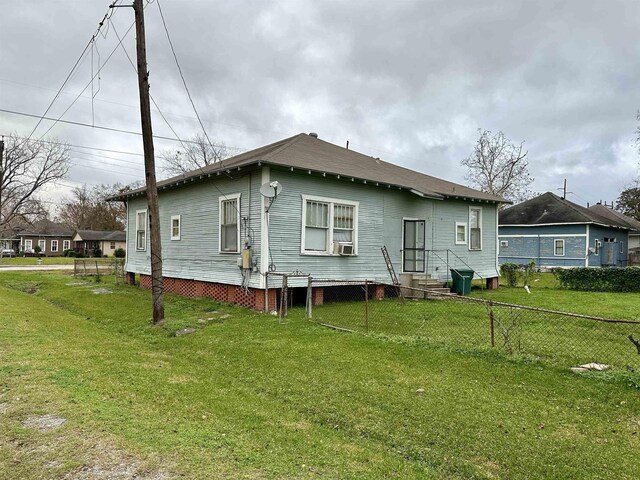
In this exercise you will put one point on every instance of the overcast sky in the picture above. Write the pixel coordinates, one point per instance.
(409, 81)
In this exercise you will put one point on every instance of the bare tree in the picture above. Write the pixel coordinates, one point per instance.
(198, 152)
(27, 166)
(499, 167)
(88, 210)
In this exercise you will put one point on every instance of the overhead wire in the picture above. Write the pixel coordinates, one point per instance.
(135, 69)
(107, 15)
(184, 82)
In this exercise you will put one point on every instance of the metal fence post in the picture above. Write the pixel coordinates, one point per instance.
(491, 318)
(266, 292)
(366, 305)
(310, 298)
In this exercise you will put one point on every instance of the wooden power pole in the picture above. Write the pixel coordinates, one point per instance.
(149, 168)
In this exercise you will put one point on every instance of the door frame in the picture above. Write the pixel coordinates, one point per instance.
(423, 250)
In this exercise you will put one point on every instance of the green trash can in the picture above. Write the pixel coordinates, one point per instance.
(461, 280)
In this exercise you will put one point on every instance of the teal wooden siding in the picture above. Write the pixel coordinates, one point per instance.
(537, 243)
(380, 214)
(196, 255)
(613, 253)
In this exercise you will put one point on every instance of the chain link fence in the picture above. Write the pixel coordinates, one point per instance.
(469, 323)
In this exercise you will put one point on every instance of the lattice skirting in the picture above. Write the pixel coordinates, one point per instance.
(252, 298)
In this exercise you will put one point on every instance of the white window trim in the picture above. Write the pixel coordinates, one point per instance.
(331, 202)
(66, 245)
(175, 217)
(43, 247)
(469, 228)
(455, 232)
(224, 198)
(29, 242)
(146, 230)
(54, 246)
(555, 249)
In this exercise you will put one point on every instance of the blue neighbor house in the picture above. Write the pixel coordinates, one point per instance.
(305, 205)
(554, 232)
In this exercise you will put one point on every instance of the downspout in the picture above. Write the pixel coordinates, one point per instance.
(587, 241)
(264, 232)
(497, 241)
(539, 250)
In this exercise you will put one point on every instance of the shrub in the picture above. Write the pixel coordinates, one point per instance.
(37, 249)
(599, 279)
(119, 253)
(510, 272)
(97, 252)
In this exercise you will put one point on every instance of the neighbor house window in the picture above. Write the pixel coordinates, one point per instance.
(475, 228)
(66, 244)
(28, 245)
(43, 245)
(230, 223)
(175, 227)
(141, 230)
(558, 248)
(461, 233)
(327, 224)
(54, 246)
(112, 246)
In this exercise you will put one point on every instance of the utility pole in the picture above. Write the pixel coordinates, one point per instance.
(1, 174)
(149, 168)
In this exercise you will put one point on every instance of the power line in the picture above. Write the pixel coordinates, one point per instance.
(79, 146)
(86, 86)
(184, 82)
(107, 15)
(99, 127)
(135, 69)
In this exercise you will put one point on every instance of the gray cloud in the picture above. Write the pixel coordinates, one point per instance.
(408, 81)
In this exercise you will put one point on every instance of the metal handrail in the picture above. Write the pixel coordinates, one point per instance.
(448, 250)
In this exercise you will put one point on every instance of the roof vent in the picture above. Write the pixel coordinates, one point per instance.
(313, 134)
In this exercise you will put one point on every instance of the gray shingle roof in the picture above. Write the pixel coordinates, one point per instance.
(46, 228)
(632, 223)
(306, 152)
(549, 208)
(99, 235)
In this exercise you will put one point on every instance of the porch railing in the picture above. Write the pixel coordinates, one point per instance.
(450, 260)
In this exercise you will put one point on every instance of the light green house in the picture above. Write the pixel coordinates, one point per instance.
(222, 228)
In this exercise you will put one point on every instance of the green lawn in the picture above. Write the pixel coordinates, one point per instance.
(249, 396)
(34, 261)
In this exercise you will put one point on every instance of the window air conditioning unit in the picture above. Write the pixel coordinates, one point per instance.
(346, 249)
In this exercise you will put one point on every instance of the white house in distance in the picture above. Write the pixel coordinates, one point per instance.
(335, 210)
(106, 242)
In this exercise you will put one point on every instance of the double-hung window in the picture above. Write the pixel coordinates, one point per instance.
(558, 248)
(175, 227)
(328, 224)
(141, 230)
(461, 233)
(43, 245)
(54, 246)
(475, 228)
(66, 244)
(229, 223)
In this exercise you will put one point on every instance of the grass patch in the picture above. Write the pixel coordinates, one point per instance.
(246, 396)
(34, 261)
